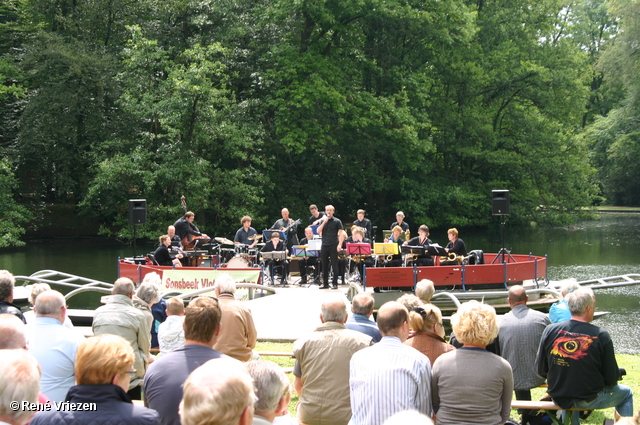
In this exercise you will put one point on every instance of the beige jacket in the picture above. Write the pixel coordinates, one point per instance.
(120, 317)
(237, 331)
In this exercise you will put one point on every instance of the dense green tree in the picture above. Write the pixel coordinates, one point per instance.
(13, 217)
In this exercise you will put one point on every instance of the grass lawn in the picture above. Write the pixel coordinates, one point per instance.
(630, 362)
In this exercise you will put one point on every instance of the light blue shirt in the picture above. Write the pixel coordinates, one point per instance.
(54, 346)
(559, 312)
(361, 323)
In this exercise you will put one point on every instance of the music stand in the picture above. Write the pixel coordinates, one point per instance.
(266, 234)
(275, 256)
(303, 251)
(358, 248)
(314, 245)
(436, 250)
(314, 228)
(385, 248)
(412, 249)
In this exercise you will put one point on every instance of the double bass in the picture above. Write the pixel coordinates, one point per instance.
(189, 240)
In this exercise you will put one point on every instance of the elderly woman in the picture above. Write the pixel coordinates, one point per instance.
(102, 369)
(471, 385)
(428, 336)
(147, 294)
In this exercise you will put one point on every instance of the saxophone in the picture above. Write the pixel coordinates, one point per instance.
(452, 257)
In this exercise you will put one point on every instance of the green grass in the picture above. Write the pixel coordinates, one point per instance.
(630, 362)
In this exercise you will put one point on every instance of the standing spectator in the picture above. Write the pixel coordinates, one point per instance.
(321, 369)
(220, 392)
(19, 381)
(103, 366)
(471, 385)
(37, 289)
(559, 312)
(362, 309)
(163, 382)
(428, 336)
(520, 333)
(389, 377)
(53, 345)
(120, 317)
(238, 336)
(579, 361)
(7, 282)
(272, 391)
(171, 331)
(425, 290)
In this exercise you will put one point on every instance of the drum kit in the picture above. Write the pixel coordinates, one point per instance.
(238, 256)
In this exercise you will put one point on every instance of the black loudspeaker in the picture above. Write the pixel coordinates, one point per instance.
(137, 211)
(500, 202)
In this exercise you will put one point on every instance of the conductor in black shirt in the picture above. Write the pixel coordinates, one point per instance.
(331, 243)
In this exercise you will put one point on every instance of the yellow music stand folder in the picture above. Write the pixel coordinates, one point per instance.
(385, 248)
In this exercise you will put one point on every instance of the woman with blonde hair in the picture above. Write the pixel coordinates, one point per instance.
(428, 336)
(471, 385)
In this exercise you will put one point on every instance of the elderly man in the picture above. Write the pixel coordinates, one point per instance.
(579, 362)
(7, 282)
(389, 377)
(120, 317)
(163, 382)
(519, 338)
(400, 222)
(12, 332)
(19, 381)
(321, 369)
(238, 336)
(220, 392)
(273, 391)
(54, 345)
(362, 308)
(289, 226)
(425, 290)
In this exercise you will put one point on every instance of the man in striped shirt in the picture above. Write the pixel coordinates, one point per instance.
(389, 377)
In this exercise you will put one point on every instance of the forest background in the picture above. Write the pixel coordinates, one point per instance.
(248, 106)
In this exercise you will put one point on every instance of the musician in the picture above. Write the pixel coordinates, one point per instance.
(162, 256)
(184, 226)
(365, 223)
(396, 260)
(289, 226)
(404, 226)
(343, 261)
(175, 239)
(358, 236)
(421, 240)
(331, 244)
(275, 244)
(305, 262)
(246, 231)
(315, 215)
(455, 244)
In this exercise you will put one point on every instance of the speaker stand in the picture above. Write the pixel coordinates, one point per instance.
(503, 251)
(134, 241)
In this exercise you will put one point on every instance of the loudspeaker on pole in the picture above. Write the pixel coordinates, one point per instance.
(137, 211)
(500, 204)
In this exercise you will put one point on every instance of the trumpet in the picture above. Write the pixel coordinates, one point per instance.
(453, 257)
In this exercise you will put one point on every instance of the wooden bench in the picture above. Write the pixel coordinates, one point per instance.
(548, 406)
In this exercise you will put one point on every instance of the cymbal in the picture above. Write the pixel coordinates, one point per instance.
(254, 237)
(224, 241)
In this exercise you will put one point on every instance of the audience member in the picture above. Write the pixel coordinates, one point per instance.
(238, 335)
(19, 381)
(103, 366)
(559, 312)
(120, 317)
(579, 361)
(220, 392)
(7, 282)
(171, 331)
(12, 332)
(428, 336)
(321, 369)
(471, 385)
(520, 333)
(147, 294)
(53, 345)
(389, 377)
(409, 417)
(273, 391)
(158, 310)
(425, 290)
(409, 301)
(163, 382)
(362, 309)
(37, 289)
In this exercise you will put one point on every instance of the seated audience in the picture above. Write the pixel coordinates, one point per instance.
(220, 392)
(425, 290)
(362, 309)
(12, 332)
(158, 310)
(409, 417)
(171, 331)
(559, 312)
(273, 391)
(428, 336)
(409, 301)
(147, 294)
(7, 282)
(471, 385)
(103, 366)
(19, 381)
(53, 345)
(238, 335)
(163, 382)
(37, 289)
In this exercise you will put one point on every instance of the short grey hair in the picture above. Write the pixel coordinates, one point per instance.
(123, 286)
(270, 384)
(37, 289)
(19, 380)
(7, 282)
(567, 288)
(152, 277)
(334, 310)
(148, 292)
(425, 290)
(226, 284)
(12, 332)
(579, 300)
(49, 303)
(363, 304)
(410, 301)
